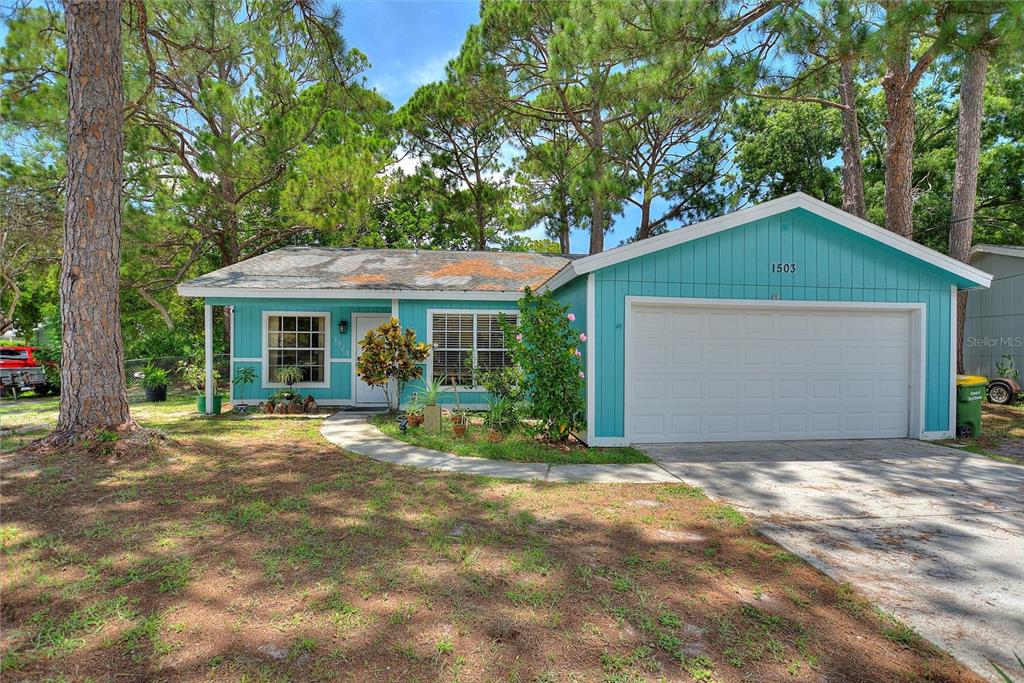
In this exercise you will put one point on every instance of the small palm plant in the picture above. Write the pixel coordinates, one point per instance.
(244, 376)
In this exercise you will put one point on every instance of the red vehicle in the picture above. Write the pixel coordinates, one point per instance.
(20, 370)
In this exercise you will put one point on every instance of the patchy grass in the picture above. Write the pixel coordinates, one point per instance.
(518, 446)
(251, 549)
(1002, 434)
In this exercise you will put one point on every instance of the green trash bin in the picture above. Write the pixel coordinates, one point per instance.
(970, 392)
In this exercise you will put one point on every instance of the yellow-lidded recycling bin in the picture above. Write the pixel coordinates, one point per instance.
(970, 392)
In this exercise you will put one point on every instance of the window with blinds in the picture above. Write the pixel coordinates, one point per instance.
(462, 338)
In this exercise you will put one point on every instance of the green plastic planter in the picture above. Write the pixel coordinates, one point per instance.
(201, 405)
(970, 392)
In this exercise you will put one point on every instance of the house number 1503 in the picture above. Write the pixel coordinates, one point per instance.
(783, 267)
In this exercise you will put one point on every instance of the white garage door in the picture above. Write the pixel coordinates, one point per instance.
(737, 374)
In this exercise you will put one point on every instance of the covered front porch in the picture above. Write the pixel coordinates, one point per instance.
(320, 337)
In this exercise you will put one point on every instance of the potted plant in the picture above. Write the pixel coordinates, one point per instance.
(500, 418)
(195, 376)
(288, 375)
(431, 409)
(244, 376)
(414, 411)
(459, 423)
(154, 381)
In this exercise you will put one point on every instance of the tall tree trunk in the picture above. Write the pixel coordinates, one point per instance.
(93, 392)
(597, 201)
(645, 217)
(899, 140)
(853, 168)
(965, 176)
(479, 215)
(563, 222)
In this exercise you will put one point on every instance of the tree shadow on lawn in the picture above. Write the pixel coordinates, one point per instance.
(254, 549)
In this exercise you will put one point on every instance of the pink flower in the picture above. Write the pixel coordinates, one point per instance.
(519, 337)
(583, 337)
(581, 374)
(571, 317)
(577, 352)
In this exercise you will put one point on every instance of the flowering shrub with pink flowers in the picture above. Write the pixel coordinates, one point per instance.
(547, 350)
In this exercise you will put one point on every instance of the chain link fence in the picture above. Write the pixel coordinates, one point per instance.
(133, 367)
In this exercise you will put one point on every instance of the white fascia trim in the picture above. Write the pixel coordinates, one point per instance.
(265, 366)
(997, 249)
(797, 200)
(591, 356)
(282, 293)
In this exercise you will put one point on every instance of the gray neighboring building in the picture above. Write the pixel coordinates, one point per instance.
(995, 317)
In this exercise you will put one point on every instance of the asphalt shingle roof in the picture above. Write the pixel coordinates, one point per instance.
(386, 269)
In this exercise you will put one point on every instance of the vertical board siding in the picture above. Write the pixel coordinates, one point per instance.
(995, 317)
(833, 264)
(247, 342)
(574, 296)
(413, 313)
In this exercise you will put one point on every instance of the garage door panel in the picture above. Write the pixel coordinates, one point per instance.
(743, 374)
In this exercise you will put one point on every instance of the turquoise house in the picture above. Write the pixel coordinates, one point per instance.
(788, 320)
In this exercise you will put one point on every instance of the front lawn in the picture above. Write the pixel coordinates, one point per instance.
(518, 446)
(252, 549)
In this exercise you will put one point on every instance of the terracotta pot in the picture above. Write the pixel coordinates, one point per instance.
(459, 419)
(268, 407)
(459, 429)
(415, 420)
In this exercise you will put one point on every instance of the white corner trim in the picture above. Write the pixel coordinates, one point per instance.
(591, 356)
(951, 426)
(265, 368)
(394, 309)
(382, 294)
(588, 264)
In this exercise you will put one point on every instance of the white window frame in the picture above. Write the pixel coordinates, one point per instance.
(264, 330)
(459, 311)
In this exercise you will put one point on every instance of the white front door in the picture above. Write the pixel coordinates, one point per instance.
(365, 395)
(704, 373)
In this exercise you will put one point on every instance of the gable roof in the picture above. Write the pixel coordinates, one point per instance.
(377, 273)
(797, 200)
(1000, 249)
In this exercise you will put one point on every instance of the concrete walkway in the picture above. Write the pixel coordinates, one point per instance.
(351, 431)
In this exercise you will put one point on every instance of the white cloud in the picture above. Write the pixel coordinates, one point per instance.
(398, 87)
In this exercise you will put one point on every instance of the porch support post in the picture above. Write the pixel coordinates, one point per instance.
(208, 339)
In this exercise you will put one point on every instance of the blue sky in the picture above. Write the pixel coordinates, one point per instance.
(409, 43)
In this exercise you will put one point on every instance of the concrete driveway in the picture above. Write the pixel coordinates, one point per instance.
(931, 533)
